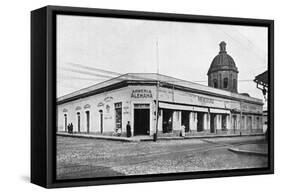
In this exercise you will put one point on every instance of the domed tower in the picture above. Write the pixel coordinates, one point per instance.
(223, 73)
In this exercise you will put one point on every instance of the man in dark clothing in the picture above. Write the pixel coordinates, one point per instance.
(128, 129)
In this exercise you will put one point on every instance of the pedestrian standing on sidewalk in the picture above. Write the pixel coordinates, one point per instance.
(128, 129)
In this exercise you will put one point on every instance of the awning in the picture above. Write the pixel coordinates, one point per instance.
(219, 111)
(182, 107)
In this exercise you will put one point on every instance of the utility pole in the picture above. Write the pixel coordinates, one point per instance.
(241, 117)
(157, 94)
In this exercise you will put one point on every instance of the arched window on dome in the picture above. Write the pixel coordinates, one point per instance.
(220, 81)
(215, 83)
(225, 82)
(234, 84)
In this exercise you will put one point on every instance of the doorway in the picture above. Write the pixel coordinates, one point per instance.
(234, 122)
(200, 121)
(141, 121)
(101, 121)
(249, 123)
(78, 122)
(185, 120)
(212, 122)
(88, 121)
(167, 120)
(224, 120)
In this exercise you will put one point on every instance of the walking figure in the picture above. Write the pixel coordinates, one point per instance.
(128, 129)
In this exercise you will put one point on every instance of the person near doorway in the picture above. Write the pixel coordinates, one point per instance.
(182, 132)
(128, 129)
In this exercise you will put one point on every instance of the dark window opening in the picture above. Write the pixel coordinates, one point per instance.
(212, 122)
(215, 83)
(185, 120)
(224, 117)
(225, 83)
(65, 122)
(200, 121)
(141, 119)
(101, 121)
(234, 84)
(249, 123)
(88, 121)
(167, 120)
(78, 122)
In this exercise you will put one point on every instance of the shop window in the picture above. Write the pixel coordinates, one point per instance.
(118, 115)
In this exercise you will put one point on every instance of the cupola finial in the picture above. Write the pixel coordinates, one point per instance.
(222, 47)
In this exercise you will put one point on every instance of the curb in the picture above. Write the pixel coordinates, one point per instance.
(99, 137)
(125, 139)
(222, 136)
(236, 150)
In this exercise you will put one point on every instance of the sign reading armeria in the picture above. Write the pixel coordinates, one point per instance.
(141, 93)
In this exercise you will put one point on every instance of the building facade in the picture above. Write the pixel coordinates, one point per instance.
(198, 109)
(182, 105)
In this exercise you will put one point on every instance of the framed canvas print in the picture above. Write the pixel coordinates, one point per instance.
(126, 96)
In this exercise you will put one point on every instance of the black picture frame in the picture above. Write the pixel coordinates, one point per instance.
(43, 95)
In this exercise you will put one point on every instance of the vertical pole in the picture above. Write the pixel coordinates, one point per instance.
(240, 117)
(157, 94)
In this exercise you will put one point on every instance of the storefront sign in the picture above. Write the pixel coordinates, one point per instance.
(205, 100)
(141, 93)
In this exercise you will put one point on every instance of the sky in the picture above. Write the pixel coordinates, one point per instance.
(93, 49)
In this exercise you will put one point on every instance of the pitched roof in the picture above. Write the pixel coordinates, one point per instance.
(153, 77)
(262, 78)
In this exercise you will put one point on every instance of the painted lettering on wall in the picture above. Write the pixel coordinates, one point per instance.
(126, 110)
(205, 100)
(141, 93)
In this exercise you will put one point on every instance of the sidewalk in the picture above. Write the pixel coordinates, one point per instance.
(148, 138)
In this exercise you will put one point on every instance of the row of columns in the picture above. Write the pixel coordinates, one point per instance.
(220, 121)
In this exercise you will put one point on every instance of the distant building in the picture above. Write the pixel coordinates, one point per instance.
(201, 110)
(262, 84)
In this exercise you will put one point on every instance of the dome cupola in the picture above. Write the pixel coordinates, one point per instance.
(223, 72)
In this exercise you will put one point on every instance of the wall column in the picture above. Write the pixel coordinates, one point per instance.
(228, 123)
(205, 121)
(193, 121)
(160, 121)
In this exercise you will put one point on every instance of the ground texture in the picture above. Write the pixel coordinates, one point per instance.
(86, 158)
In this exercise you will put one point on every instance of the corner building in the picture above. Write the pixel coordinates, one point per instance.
(202, 110)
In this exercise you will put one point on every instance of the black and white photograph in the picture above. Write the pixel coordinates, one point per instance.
(146, 97)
